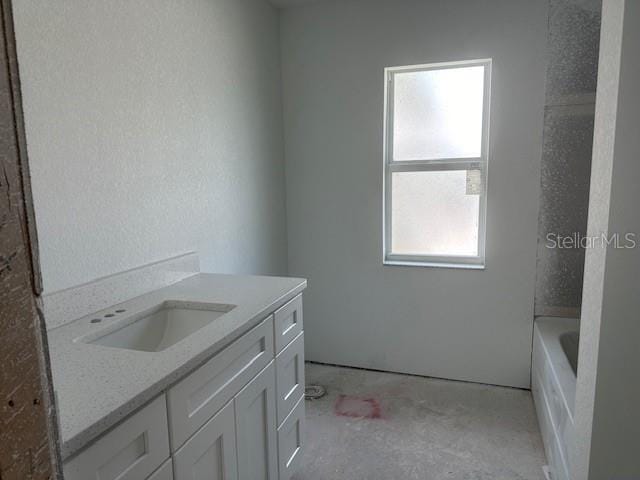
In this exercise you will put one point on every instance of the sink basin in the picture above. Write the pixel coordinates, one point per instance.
(160, 327)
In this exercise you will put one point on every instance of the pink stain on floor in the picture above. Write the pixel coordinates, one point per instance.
(357, 407)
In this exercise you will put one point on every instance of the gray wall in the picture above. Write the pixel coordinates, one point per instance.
(607, 417)
(154, 127)
(572, 67)
(471, 325)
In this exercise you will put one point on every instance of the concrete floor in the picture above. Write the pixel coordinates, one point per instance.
(383, 426)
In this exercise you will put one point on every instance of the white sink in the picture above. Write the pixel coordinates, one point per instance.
(160, 327)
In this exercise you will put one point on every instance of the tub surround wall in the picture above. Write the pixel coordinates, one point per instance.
(572, 66)
(154, 128)
(409, 319)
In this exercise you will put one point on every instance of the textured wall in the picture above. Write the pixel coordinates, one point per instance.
(607, 418)
(471, 325)
(574, 36)
(154, 127)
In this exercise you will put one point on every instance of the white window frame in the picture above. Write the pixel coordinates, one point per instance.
(440, 164)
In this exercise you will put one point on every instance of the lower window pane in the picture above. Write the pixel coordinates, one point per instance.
(434, 213)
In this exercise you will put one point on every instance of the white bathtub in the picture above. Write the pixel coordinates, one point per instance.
(553, 383)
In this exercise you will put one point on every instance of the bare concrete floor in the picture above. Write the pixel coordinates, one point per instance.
(383, 426)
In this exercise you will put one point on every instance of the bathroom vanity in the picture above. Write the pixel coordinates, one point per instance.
(200, 380)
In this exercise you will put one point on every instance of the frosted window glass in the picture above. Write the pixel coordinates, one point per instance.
(438, 113)
(432, 214)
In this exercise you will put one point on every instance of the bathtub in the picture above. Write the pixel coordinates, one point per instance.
(553, 384)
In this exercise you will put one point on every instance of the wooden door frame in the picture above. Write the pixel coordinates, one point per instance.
(29, 446)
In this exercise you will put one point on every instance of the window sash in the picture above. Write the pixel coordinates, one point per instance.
(473, 163)
(436, 165)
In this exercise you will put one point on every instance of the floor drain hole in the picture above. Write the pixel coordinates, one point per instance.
(313, 392)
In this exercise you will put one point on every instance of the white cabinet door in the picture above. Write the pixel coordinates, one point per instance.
(211, 453)
(131, 451)
(290, 377)
(256, 428)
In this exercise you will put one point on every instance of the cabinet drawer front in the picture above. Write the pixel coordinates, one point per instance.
(198, 397)
(290, 377)
(165, 472)
(288, 323)
(290, 441)
(211, 453)
(131, 451)
(256, 428)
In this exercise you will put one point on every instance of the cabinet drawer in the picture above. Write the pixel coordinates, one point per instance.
(290, 377)
(131, 451)
(287, 323)
(211, 453)
(198, 397)
(290, 441)
(165, 472)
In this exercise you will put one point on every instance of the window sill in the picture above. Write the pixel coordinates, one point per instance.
(410, 263)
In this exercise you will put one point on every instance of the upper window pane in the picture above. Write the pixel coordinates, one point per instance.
(438, 113)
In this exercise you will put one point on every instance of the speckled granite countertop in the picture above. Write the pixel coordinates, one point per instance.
(98, 386)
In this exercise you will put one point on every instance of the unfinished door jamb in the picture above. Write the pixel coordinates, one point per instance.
(28, 428)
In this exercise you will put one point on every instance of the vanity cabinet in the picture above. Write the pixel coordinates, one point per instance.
(239, 416)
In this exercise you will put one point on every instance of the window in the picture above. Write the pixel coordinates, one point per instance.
(436, 136)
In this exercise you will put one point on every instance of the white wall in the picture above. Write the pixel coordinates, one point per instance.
(471, 325)
(154, 127)
(608, 391)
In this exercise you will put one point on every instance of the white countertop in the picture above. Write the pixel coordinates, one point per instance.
(98, 386)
